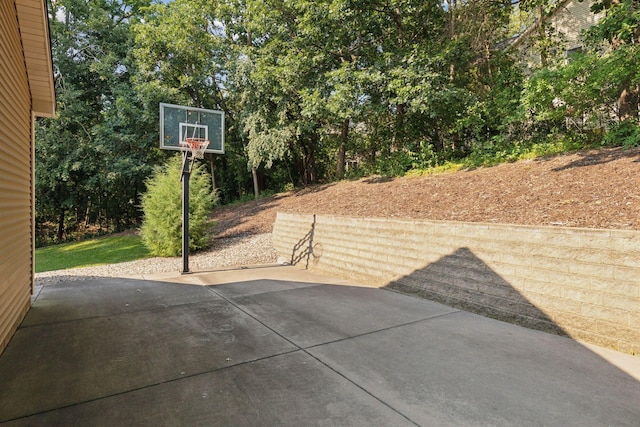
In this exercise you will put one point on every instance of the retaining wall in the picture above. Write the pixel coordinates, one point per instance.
(581, 283)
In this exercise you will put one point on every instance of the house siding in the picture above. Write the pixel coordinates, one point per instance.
(16, 177)
(573, 18)
(567, 21)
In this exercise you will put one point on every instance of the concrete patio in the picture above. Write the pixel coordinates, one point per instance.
(282, 346)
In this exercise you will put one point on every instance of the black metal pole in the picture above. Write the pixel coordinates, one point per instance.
(186, 174)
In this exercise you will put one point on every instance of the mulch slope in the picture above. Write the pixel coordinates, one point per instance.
(588, 189)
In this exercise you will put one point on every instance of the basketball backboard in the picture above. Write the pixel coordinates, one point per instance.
(178, 122)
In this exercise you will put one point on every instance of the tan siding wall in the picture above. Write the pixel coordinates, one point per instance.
(573, 18)
(15, 177)
(568, 21)
(582, 283)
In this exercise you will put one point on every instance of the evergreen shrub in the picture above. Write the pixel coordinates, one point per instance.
(162, 207)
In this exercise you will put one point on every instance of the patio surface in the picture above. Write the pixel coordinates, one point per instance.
(279, 346)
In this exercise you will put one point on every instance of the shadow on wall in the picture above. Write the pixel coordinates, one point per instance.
(461, 280)
(464, 281)
(303, 250)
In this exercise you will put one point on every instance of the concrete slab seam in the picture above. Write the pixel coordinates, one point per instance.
(322, 362)
(184, 377)
(146, 310)
(311, 285)
(435, 316)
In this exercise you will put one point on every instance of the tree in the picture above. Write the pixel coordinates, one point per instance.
(620, 28)
(599, 85)
(92, 158)
(186, 57)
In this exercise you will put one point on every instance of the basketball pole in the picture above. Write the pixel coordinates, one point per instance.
(186, 175)
(187, 129)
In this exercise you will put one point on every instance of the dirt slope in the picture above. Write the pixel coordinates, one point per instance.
(590, 189)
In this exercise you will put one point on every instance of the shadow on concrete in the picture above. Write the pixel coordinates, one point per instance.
(588, 158)
(464, 281)
(111, 351)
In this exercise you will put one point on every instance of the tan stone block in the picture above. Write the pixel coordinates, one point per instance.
(372, 253)
(593, 338)
(596, 270)
(514, 282)
(542, 275)
(510, 258)
(412, 263)
(628, 303)
(553, 252)
(501, 247)
(577, 238)
(563, 305)
(410, 280)
(459, 282)
(398, 270)
(479, 273)
(631, 242)
(598, 312)
(617, 257)
(619, 332)
(582, 295)
(573, 320)
(616, 287)
(447, 241)
(550, 304)
(633, 320)
(508, 272)
(629, 347)
(483, 233)
(540, 287)
(506, 292)
(403, 248)
(559, 263)
(627, 274)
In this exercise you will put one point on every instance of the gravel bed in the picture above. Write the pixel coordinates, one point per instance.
(231, 251)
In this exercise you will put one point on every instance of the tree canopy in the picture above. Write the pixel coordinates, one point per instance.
(315, 91)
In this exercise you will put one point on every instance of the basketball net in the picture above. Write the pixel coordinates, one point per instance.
(196, 146)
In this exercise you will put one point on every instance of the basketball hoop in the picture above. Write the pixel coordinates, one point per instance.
(196, 146)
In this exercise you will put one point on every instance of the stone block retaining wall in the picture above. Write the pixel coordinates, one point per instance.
(582, 283)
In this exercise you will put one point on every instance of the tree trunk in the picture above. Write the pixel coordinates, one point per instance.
(452, 34)
(86, 214)
(214, 187)
(541, 34)
(399, 128)
(309, 161)
(342, 150)
(312, 158)
(628, 103)
(60, 233)
(256, 189)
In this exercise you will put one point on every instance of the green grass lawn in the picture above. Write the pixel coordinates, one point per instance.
(104, 250)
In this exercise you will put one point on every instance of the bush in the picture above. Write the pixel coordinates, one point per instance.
(625, 133)
(162, 206)
(395, 164)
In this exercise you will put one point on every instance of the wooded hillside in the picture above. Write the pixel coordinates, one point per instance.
(314, 91)
(560, 191)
